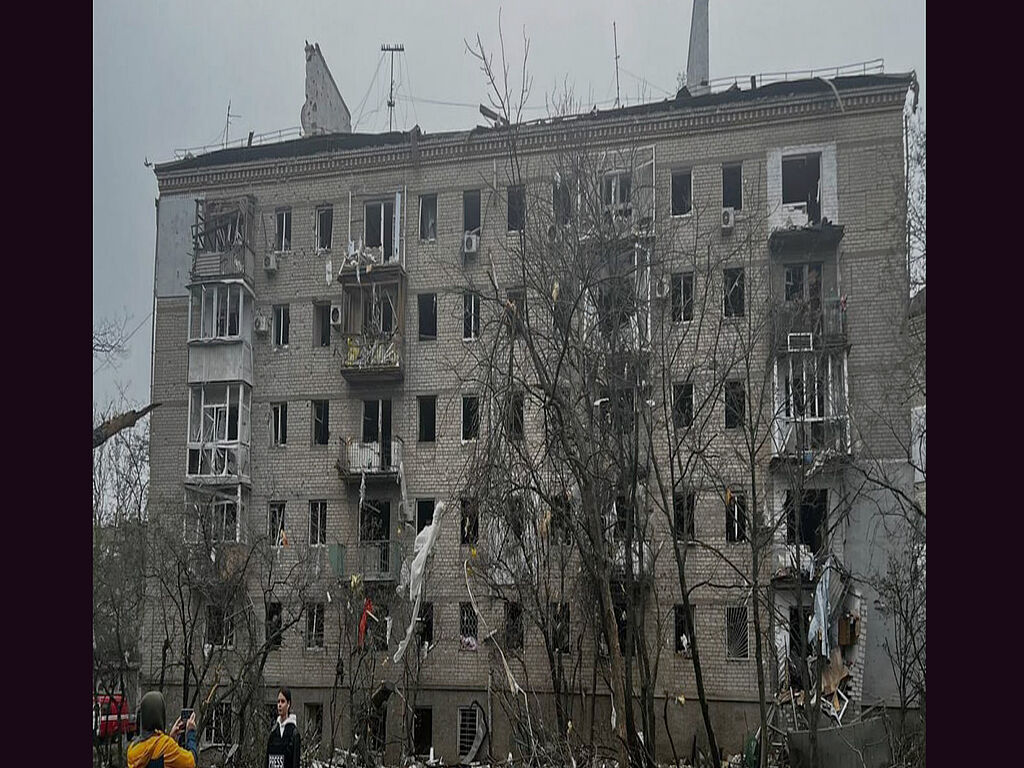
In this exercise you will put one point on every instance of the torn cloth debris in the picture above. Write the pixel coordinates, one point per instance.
(425, 540)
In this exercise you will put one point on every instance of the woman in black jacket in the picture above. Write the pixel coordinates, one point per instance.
(284, 748)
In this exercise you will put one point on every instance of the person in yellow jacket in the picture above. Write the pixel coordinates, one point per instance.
(153, 748)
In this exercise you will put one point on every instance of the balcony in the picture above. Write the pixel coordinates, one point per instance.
(801, 235)
(811, 438)
(375, 461)
(642, 559)
(217, 463)
(372, 560)
(826, 324)
(214, 360)
(370, 359)
(222, 240)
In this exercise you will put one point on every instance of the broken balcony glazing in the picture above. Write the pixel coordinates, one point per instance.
(219, 433)
(222, 240)
(372, 323)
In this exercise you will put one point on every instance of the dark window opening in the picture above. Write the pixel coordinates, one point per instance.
(471, 210)
(283, 233)
(803, 284)
(424, 513)
(467, 729)
(274, 624)
(515, 311)
(321, 422)
(735, 517)
(559, 613)
(736, 632)
(682, 404)
(317, 523)
(813, 513)
(561, 203)
(683, 633)
(315, 625)
(428, 418)
(282, 323)
(422, 731)
(682, 199)
(733, 292)
(516, 208)
(428, 217)
(798, 646)
(324, 228)
(425, 623)
(470, 417)
(275, 526)
(469, 525)
(375, 521)
(683, 507)
(313, 728)
(322, 325)
(514, 415)
(220, 631)
(682, 296)
(513, 626)
(735, 404)
(428, 316)
(801, 183)
(561, 520)
(732, 186)
(470, 316)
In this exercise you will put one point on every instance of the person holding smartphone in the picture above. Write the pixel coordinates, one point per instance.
(153, 747)
(284, 748)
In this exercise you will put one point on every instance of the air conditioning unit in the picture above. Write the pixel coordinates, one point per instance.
(270, 263)
(728, 219)
(662, 288)
(336, 315)
(800, 342)
(262, 323)
(470, 243)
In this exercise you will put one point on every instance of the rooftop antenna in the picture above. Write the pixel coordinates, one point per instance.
(615, 38)
(392, 49)
(227, 123)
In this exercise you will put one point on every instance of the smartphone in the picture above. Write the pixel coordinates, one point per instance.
(185, 715)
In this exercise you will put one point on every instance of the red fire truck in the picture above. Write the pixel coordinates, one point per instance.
(111, 717)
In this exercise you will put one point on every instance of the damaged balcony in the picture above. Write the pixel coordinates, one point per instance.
(379, 560)
(222, 240)
(807, 325)
(218, 434)
(377, 460)
(371, 321)
(220, 333)
(812, 420)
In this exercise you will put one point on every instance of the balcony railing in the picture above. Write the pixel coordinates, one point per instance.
(827, 322)
(238, 262)
(372, 560)
(372, 459)
(369, 358)
(808, 437)
(217, 461)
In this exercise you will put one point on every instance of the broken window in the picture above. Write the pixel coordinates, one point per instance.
(378, 729)
(736, 632)
(683, 633)
(314, 625)
(424, 513)
(275, 526)
(516, 208)
(561, 520)
(513, 626)
(224, 521)
(422, 731)
(317, 523)
(467, 730)
(324, 228)
(515, 311)
(427, 303)
(321, 422)
(428, 217)
(470, 316)
(219, 311)
(918, 442)
(380, 227)
(682, 193)
(314, 724)
(322, 324)
(514, 415)
(428, 418)
(281, 325)
(470, 417)
(425, 624)
(813, 512)
(274, 625)
(735, 404)
(559, 613)
(469, 525)
(733, 292)
(218, 429)
(218, 726)
(682, 296)
(471, 210)
(732, 186)
(801, 184)
(682, 404)
(684, 504)
(735, 517)
(561, 203)
(806, 390)
(220, 627)
(279, 423)
(803, 284)
(283, 233)
(467, 626)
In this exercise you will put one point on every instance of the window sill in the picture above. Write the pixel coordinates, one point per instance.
(428, 338)
(465, 441)
(428, 241)
(682, 216)
(471, 338)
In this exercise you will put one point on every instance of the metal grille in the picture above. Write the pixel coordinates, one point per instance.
(467, 729)
(736, 632)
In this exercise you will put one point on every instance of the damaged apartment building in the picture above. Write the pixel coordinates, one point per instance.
(314, 302)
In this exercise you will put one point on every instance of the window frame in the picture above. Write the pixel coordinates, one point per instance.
(736, 517)
(682, 404)
(469, 522)
(421, 434)
(738, 414)
(324, 421)
(315, 630)
(431, 297)
(516, 205)
(468, 620)
(320, 211)
(280, 508)
(467, 739)
(466, 398)
(279, 424)
(321, 323)
(274, 637)
(681, 284)
(732, 623)
(283, 230)
(226, 626)
(467, 196)
(514, 627)
(686, 534)
(424, 198)
(738, 166)
(318, 507)
(471, 313)
(676, 173)
(680, 616)
(431, 502)
(281, 333)
(738, 275)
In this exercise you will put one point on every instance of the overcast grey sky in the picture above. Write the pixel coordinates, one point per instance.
(164, 70)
